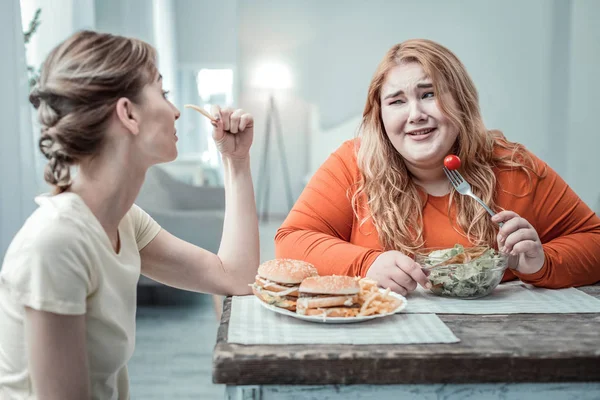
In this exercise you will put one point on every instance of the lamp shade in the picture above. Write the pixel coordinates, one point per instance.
(272, 75)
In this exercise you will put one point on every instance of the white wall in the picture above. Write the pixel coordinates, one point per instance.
(163, 14)
(132, 18)
(581, 140)
(519, 61)
(207, 32)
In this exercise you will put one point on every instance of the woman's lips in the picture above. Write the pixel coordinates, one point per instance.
(422, 134)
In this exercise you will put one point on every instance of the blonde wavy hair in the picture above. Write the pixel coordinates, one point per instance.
(394, 202)
(80, 83)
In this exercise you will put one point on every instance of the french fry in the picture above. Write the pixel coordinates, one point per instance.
(372, 300)
(201, 111)
(368, 311)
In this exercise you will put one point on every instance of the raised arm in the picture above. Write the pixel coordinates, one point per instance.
(180, 264)
(319, 226)
(56, 349)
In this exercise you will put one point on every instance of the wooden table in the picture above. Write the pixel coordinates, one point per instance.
(514, 356)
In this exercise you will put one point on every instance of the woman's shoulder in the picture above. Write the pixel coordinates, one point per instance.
(347, 151)
(349, 147)
(48, 244)
(517, 169)
(344, 159)
(514, 155)
(59, 221)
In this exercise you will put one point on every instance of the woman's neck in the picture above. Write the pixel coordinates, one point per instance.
(432, 180)
(109, 186)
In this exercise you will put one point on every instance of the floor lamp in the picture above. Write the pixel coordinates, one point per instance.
(272, 125)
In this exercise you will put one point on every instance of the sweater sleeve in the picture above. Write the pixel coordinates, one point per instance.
(319, 226)
(569, 231)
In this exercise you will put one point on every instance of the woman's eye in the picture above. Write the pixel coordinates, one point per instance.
(428, 95)
(397, 102)
(165, 94)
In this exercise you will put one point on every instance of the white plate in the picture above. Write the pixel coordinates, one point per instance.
(335, 320)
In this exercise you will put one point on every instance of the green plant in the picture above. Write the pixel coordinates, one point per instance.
(34, 73)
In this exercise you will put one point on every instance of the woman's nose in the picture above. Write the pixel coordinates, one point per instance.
(416, 113)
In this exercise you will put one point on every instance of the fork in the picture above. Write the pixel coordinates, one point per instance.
(463, 187)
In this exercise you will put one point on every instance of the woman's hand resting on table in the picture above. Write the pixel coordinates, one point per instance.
(397, 271)
(519, 238)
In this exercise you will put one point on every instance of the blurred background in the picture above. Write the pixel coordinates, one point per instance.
(302, 68)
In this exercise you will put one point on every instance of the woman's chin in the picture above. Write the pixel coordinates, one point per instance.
(172, 154)
(425, 161)
(419, 158)
(166, 158)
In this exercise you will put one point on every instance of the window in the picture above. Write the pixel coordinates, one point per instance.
(199, 161)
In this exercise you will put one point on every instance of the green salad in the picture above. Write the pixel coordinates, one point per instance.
(465, 273)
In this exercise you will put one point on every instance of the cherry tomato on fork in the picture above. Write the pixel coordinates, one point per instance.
(452, 162)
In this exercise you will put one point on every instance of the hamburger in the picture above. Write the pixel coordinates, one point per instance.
(329, 296)
(278, 280)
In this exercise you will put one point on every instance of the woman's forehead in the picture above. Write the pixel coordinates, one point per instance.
(405, 77)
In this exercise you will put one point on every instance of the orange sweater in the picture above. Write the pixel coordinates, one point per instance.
(322, 228)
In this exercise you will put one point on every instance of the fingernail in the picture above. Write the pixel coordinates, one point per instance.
(513, 253)
(504, 249)
(428, 285)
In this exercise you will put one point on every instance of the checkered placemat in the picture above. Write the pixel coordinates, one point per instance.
(250, 323)
(508, 298)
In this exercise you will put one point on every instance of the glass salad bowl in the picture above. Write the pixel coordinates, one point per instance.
(465, 273)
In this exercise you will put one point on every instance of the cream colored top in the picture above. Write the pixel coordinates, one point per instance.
(62, 261)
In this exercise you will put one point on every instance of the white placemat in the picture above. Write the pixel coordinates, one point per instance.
(508, 298)
(250, 323)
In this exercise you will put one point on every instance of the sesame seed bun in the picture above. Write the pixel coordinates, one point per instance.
(286, 271)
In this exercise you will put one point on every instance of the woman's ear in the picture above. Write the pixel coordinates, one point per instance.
(127, 115)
